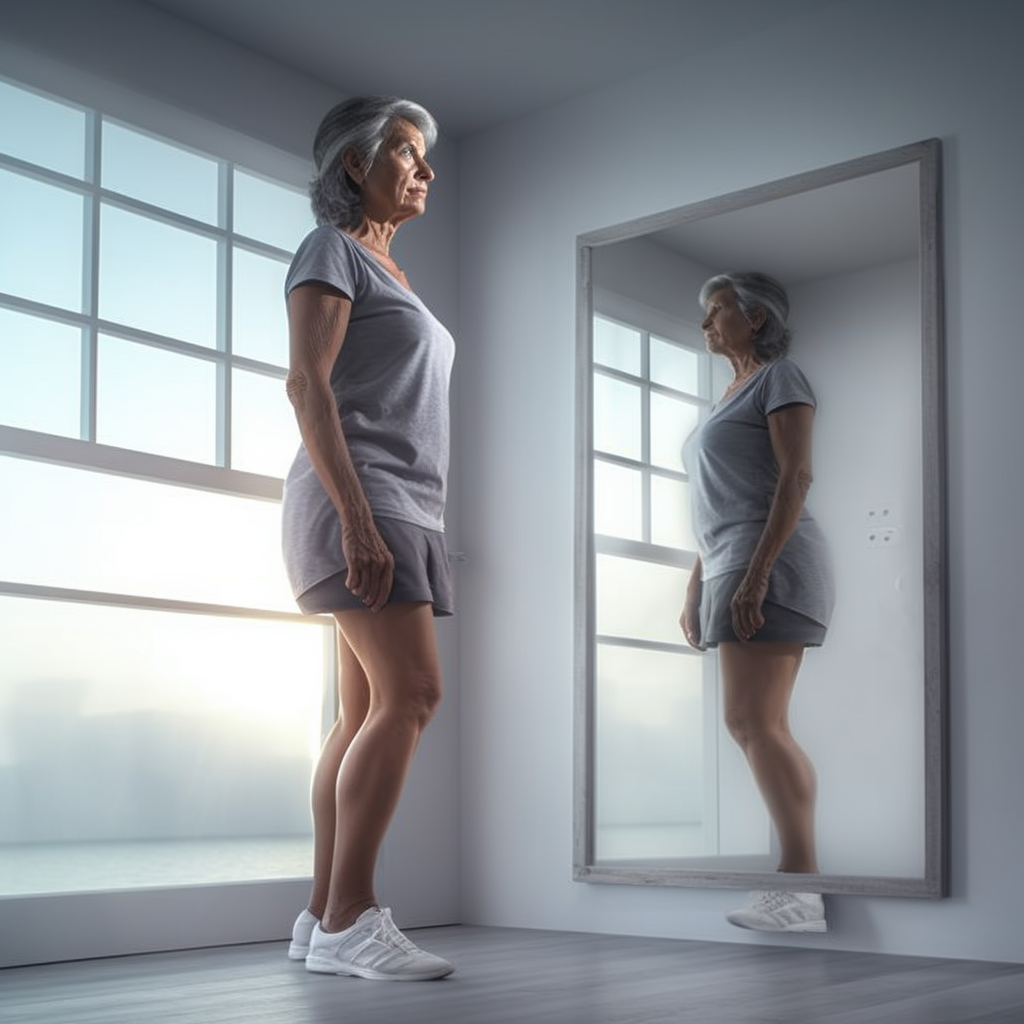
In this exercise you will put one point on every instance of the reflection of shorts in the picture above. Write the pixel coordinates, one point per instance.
(422, 573)
(781, 625)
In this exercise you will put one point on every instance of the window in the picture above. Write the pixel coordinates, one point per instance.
(160, 700)
(653, 697)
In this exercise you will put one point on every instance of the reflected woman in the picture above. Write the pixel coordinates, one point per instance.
(762, 587)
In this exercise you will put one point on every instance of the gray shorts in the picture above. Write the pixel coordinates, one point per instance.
(422, 573)
(781, 625)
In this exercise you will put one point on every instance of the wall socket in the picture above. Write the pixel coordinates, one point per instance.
(883, 537)
(881, 513)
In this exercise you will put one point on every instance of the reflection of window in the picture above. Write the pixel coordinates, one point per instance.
(147, 638)
(652, 718)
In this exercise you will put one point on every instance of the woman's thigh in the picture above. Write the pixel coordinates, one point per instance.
(758, 679)
(397, 649)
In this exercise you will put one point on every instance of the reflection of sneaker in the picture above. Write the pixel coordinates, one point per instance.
(301, 931)
(782, 912)
(373, 948)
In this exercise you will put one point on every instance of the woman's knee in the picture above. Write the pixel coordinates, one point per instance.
(739, 724)
(416, 695)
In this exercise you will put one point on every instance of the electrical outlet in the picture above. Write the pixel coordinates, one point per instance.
(883, 537)
(881, 514)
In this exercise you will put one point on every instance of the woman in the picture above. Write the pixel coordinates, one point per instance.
(761, 590)
(363, 513)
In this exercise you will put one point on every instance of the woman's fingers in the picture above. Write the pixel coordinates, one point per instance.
(371, 570)
(746, 612)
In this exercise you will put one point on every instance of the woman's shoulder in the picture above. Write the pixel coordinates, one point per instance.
(784, 383)
(326, 254)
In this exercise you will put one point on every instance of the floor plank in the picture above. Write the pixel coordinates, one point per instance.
(512, 976)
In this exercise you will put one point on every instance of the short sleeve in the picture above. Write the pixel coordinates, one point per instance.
(325, 255)
(785, 384)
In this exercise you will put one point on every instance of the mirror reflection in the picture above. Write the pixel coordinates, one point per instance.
(664, 794)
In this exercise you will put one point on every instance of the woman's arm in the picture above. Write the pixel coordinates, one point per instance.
(318, 318)
(689, 620)
(790, 431)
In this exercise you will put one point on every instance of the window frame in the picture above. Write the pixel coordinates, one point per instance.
(80, 925)
(91, 454)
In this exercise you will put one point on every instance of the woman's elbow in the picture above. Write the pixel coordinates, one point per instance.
(296, 387)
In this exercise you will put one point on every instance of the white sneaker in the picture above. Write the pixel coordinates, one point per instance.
(373, 948)
(301, 931)
(782, 912)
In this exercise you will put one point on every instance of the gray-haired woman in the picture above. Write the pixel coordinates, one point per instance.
(363, 513)
(762, 588)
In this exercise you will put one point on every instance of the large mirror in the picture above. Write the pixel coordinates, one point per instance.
(663, 795)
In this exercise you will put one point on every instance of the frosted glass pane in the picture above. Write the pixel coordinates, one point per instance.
(672, 421)
(670, 514)
(157, 278)
(648, 754)
(616, 346)
(259, 323)
(41, 241)
(639, 599)
(618, 501)
(40, 374)
(156, 401)
(264, 433)
(160, 173)
(42, 131)
(617, 426)
(121, 725)
(271, 212)
(131, 536)
(675, 366)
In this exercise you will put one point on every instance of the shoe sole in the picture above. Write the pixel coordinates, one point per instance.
(320, 965)
(297, 952)
(817, 927)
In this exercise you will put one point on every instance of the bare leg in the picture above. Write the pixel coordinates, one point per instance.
(758, 681)
(397, 650)
(353, 705)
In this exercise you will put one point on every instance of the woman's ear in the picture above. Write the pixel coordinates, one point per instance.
(758, 318)
(350, 161)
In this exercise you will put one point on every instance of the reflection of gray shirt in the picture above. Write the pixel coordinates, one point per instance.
(733, 474)
(390, 381)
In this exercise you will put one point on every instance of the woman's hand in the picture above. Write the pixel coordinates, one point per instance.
(371, 566)
(746, 604)
(689, 619)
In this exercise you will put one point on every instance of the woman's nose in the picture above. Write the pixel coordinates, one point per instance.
(426, 172)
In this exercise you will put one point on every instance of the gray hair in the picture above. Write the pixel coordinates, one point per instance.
(361, 124)
(755, 291)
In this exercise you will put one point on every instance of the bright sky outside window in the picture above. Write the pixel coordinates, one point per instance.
(147, 630)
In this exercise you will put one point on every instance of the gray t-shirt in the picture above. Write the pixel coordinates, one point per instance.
(390, 382)
(733, 475)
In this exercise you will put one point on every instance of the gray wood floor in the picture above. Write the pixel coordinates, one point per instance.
(511, 976)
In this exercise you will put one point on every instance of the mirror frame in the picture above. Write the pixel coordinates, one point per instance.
(934, 884)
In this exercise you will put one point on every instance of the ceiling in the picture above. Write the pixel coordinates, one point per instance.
(478, 63)
(840, 228)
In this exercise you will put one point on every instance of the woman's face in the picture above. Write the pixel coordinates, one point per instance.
(395, 187)
(726, 329)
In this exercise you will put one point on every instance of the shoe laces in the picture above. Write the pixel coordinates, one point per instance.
(772, 900)
(390, 932)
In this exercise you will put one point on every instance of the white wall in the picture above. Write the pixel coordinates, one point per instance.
(854, 79)
(134, 62)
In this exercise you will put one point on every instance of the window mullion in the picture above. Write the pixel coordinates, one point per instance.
(91, 278)
(224, 314)
(645, 434)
